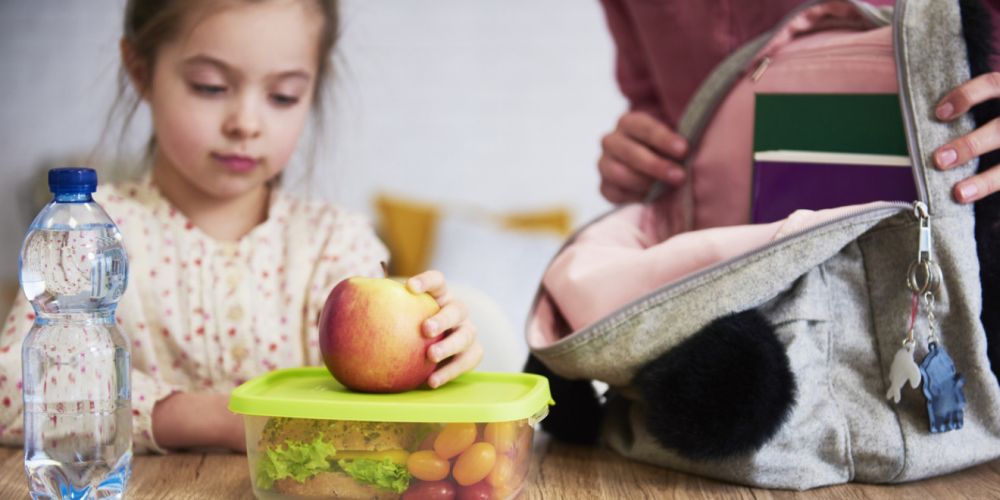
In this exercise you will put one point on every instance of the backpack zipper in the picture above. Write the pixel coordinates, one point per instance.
(888, 207)
(909, 121)
(819, 54)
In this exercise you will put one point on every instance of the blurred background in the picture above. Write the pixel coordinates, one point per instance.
(467, 131)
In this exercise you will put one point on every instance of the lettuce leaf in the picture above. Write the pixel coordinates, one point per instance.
(297, 460)
(382, 473)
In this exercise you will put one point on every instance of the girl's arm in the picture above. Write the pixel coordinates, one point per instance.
(147, 393)
(15, 328)
(197, 420)
(457, 347)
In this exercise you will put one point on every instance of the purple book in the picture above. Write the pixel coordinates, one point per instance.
(785, 181)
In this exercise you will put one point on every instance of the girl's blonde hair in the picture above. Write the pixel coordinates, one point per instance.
(149, 24)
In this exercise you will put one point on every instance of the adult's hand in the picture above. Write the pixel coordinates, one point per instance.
(974, 144)
(638, 152)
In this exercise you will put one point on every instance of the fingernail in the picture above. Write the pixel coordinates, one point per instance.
(433, 382)
(679, 146)
(435, 354)
(431, 327)
(968, 191)
(416, 285)
(944, 111)
(946, 157)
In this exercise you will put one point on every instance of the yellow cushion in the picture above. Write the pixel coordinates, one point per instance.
(408, 228)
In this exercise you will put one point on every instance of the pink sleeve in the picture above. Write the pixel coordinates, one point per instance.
(146, 392)
(631, 68)
(15, 328)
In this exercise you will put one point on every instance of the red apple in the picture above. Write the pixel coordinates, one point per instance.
(370, 337)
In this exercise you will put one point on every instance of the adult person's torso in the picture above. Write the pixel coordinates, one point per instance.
(681, 41)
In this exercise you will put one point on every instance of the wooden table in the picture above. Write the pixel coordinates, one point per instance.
(561, 472)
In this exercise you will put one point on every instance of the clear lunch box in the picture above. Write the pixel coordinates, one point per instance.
(309, 437)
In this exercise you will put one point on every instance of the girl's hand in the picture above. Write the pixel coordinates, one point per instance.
(975, 143)
(197, 420)
(638, 152)
(458, 335)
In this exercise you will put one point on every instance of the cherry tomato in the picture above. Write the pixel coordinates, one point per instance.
(501, 435)
(454, 439)
(474, 464)
(522, 445)
(522, 457)
(502, 472)
(428, 442)
(478, 491)
(429, 490)
(427, 466)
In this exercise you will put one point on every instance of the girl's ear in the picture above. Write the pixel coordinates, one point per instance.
(136, 67)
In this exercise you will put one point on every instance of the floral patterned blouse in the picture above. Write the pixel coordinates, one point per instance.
(207, 315)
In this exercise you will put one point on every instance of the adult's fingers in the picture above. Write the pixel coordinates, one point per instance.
(974, 144)
(650, 131)
(978, 186)
(639, 157)
(958, 101)
(617, 195)
(616, 173)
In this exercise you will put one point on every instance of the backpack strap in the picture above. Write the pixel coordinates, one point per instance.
(931, 60)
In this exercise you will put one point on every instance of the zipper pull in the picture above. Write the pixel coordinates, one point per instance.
(920, 211)
(758, 72)
(924, 274)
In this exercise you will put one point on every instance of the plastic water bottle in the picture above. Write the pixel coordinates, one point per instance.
(77, 417)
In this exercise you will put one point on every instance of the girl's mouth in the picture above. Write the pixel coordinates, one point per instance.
(234, 162)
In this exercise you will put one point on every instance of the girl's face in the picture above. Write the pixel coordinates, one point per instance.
(230, 97)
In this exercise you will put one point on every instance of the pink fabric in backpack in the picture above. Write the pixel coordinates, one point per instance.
(642, 247)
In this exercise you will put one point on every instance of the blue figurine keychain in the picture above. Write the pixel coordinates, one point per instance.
(942, 382)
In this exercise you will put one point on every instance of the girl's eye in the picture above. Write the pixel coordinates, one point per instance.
(284, 100)
(206, 89)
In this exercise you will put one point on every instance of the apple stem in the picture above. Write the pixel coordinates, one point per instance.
(385, 268)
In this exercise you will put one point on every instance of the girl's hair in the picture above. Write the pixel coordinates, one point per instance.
(151, 23)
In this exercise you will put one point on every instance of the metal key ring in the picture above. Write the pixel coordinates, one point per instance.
(931, 276)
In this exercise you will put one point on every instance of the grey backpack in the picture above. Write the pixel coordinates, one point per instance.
(776, 368)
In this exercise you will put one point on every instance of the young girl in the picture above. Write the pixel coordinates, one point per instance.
(228, 273)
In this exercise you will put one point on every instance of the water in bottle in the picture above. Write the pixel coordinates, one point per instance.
(75, 359)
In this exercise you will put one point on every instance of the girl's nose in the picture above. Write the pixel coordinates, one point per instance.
(243, 121)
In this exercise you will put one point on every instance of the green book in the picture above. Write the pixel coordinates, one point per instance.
(835, 123)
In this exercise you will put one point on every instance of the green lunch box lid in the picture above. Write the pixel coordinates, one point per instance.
(311, 392)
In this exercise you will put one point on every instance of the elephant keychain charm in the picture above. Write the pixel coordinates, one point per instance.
(904, 369)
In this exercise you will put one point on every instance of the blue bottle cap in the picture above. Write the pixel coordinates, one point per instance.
(72, 180)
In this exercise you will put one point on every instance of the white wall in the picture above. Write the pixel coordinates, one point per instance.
(495, 103)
